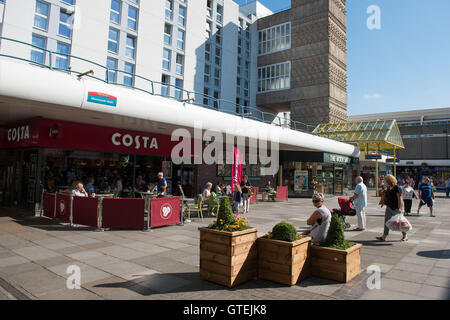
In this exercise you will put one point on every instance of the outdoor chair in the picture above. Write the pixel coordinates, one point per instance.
(197, 206)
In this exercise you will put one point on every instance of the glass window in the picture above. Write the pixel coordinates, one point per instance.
(216, 99)
(62, 61)
(65, 28)
(178, 89)
(37, 55)
(115, 11)
(128, 77)
(179, 64)
(41, 15)
(219, 13)
(182, 15)
(169, 9)
(180, 40)
(71, 2)
(206, 96)
(130, 51)
(113, 42)
(132, 18)
(168, 34)
(166, 59)
(111, 63)
(274, 39)
(273, 77)
(165, 82)
(209, 8)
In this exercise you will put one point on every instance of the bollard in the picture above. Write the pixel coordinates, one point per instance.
(71, 212)
(99, 215)
(149, 225)
(54, 209)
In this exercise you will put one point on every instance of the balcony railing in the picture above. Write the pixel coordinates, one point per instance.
(111, 76)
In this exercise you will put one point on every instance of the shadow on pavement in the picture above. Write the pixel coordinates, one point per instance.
(374, 243)
(436, 254)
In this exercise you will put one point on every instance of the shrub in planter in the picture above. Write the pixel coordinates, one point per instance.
(336, 258)
(282, 255)
(228, 254)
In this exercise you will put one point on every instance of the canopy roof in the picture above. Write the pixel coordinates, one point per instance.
(367, 135)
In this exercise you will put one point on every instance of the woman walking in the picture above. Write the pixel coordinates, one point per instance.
(393, 204)
(408, 194)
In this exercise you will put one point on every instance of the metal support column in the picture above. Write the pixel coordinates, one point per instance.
(395, 164)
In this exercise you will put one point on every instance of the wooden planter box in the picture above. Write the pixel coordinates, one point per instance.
(283, 262)
(228, 258)
(335, 264)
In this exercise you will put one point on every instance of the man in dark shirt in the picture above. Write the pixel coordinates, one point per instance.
(246, 194)
(426, 196)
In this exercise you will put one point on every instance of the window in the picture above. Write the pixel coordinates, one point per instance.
(166, 59)
(130, 51)
(274, 77)
(238, 86)
(65, 28)
(208, 29)
(71, 2)
(246, 88)
(169, 9)
(216, 99)
(180, 40)
(217, 77)
(41, 15)
(179, 68)
(114, 16)
(113, 42)
(182, 15)
(178, 89)
(247, 63)
(37, 55)
(168, 34)
(217, 61)
(218, 34)
(209, 8)
(165, 82)
(111, 64)
(274, 39)
(206, 96)
(207, 72)
(62, 61)
(128, 75)
(132, 18)
(238, 103)
(219, 13)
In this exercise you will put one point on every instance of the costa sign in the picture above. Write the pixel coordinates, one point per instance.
(19, 133)
(166, 211)
(136, 142)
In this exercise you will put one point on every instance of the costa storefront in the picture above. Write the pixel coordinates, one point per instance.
(50, 154)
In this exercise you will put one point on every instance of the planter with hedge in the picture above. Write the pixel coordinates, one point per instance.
(282, 255)
(336, 258)
(228, 254)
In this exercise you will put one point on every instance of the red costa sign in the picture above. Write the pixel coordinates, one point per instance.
(164, 211)
(71, 135)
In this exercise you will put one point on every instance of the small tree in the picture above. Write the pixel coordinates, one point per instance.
(284, 231)
(225, 212)
(335, 236)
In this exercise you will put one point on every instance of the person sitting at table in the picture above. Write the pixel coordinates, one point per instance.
(90, 186)
(219, 189)
(79, 191)
(207, 192)
(161, 182)
(161, 192)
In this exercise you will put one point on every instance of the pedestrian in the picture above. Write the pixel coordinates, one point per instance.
(408, 194)
(237, 199)
(447, 187)
(161, 192)
(207, 192)
(161, 182)
(319, 220)
(246, 193)
(426, 196)
(359, 199)
(90, 188)
(393, 205)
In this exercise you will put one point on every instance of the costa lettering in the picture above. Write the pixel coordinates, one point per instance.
(138, 142)
(18, 134)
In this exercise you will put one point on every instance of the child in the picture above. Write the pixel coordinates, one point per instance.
(237, 199)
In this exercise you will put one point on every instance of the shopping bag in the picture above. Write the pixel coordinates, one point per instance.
(398, 223)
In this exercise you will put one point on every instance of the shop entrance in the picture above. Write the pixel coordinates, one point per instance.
(186, 176)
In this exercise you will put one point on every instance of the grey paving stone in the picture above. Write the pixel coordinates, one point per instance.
(425, 269)
(122, 252)
(50, 262)
(126, 270)
(84, 255)
(79, 239)
(53, 243)
(101, 260)
(400, 286)
(441, 272)
(12, 261)
(174, 245)
(162, 282)
(67, 294)
(406, 276)
(434, 292)
(35, 253)
(438, 281)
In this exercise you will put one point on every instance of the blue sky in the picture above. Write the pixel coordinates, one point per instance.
(403, 66)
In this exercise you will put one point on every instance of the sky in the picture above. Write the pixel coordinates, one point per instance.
(405, 65)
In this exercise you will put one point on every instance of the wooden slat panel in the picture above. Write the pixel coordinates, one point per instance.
(251, 237)
(327, 264)
(276, 277)
(228, 260)
(215, 247)
(212, 237)
(331, 255)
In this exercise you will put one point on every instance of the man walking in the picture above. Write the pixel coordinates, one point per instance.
(360, 203)
(426, 196)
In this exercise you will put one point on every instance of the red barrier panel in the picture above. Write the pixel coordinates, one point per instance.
(123, 213)
(49, 205)
(282, 193)
(164, 211)
(255, 193)
(85, 211)
(63, 207)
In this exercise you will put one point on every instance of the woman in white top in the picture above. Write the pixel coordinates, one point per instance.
(408, 194)
(319, 220)
(207, 192)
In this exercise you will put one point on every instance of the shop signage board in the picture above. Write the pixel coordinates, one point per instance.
(102, 98)
(335, 158)
(300, 180)
(71, 135)
(391, 160)
(373, 156)
(164, 211)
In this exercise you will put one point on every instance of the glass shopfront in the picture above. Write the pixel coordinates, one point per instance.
(323, 173)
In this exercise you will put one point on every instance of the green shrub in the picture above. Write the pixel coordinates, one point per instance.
(225, 211)
(335, 235)
(226, 220)
(284, 231)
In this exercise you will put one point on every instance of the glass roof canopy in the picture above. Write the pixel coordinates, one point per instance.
(367, 135)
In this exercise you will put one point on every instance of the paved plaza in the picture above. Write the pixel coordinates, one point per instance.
(164, 263)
